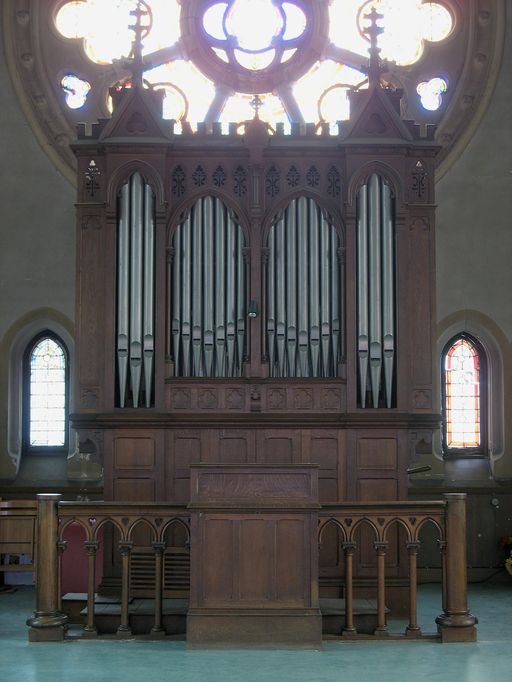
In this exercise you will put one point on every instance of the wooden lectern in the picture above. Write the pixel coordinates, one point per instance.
(254, 556)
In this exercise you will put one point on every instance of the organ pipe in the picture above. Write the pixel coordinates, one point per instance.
(136, 227)
(303, 293)
(135, 291)
(123, 291)
(375, 292)
(208, 292)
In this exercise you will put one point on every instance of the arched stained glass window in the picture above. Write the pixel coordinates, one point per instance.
(46, 382)
(463, 376)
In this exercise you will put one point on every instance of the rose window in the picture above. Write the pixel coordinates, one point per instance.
(211, 57)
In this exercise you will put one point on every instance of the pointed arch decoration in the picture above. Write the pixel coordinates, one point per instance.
(208, 292)
(304, 293)
(135, 293)
(376, 302)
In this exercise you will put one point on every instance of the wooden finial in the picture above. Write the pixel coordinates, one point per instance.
(376, 66)
(137, 64)
(256, 103)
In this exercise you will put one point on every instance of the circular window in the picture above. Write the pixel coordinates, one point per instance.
(211, 57)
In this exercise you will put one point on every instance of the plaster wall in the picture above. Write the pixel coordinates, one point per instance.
(473, 218)
(37, 261)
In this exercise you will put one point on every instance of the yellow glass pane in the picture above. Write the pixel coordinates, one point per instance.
(199, 89)
(238, 108)
(309, 89)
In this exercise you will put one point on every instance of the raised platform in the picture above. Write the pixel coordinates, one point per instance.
(174, 614)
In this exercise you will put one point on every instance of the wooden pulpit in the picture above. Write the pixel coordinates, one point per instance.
(254, 556)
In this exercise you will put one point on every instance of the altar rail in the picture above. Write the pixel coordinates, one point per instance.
(455, 624)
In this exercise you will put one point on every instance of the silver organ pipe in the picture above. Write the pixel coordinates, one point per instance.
(337, 298)
(148, 348)
(209, 293)
(220, 291)
(280, 256)
(314, 288)
(388, 305)
(136, 226)
(135, 291)
(123, 290)
(303, 293)
(185, 290)
(291, 288)
(197, 289)
(303, 322)
(208, 333)
(376, 342)
(375, 273)
(230, 301)
(362, 291)
(240, 303)
(271, 299)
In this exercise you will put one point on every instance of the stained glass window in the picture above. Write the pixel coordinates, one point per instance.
(211, 56)
(463, 362)
(46, 416)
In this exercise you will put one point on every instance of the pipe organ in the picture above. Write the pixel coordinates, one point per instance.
(258, 298)
(304, 293)
(135, 292)
(208, 292)
(376, 345)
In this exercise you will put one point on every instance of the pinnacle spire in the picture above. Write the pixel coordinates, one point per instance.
(136, 62)
(376, 66)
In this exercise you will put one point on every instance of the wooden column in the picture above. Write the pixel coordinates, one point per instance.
(48, 622)
(91, 549)
(159, 548)
(382, 629)
(124, 629)
(456, 624)
(413, 629)
(349, 629)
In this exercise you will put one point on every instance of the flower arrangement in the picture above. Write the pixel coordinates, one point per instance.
(506, 544)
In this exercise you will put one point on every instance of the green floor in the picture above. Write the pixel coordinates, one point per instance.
(489, 660)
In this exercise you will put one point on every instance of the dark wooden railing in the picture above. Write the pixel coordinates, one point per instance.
(448, 516)
(455, 624)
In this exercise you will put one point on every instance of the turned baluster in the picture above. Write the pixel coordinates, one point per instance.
(61, 547)
(413, 630)
(159, 548)
(349, 549)
(381, 629)
(91, 549)
(124, 627)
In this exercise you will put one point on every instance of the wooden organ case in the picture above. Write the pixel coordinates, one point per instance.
(257, 298)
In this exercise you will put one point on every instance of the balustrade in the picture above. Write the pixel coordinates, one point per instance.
(455, 623)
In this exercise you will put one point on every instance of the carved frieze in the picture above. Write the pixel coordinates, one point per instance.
(422, 399)
(89, 397)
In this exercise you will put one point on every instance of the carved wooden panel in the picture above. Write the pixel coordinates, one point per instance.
(421, 263)
(233, 446)
(327, 450)
(134, 453)
(183, 448)
(243, 396)
(278, 446)
(254, 561)
(134, 489)
(90, 317)
(377, 453)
